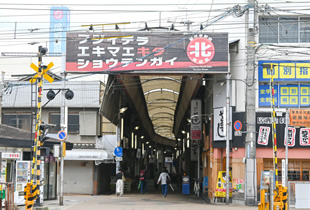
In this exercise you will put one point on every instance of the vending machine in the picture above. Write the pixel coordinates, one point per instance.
(2, 179)
(22, 177)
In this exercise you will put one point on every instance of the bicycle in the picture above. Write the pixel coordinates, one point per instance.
(197, 187)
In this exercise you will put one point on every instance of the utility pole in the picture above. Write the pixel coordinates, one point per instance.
(1, 94)
(227, 136)
(287, 120)
(63, 127)
(250, 143)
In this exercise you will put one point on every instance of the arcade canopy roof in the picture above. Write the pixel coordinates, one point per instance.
(160, 102)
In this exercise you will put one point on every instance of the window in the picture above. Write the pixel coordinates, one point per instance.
(284, 29)
(298, 170)
(268, 30)
(305, 29)
(18, 120)
(73, 122)
(288, 30)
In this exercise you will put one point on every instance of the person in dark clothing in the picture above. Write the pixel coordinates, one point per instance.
(119, 183)
(143, 183)
(156, 176)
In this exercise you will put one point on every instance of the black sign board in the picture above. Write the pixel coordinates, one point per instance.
(147, 52)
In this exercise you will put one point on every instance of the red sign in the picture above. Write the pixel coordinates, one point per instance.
(146, 52)
(10, 155)
(200, 50)
(58, 14)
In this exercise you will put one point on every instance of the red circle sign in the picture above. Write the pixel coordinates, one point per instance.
(58, 14)
(200, 50)
(237, 125)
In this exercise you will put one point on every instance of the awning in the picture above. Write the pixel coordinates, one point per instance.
(89, 154)
(19, 138)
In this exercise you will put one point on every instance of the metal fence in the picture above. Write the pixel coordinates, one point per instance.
(7, 195)
(299, 194)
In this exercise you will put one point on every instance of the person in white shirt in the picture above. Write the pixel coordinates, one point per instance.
(164, 179)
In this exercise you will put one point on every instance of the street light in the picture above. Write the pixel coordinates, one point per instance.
(123, 109)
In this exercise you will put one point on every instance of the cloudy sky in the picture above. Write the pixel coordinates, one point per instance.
(24, 23)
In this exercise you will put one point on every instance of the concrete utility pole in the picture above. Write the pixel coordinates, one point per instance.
(63, 127)
(250, 143)
(1, 94)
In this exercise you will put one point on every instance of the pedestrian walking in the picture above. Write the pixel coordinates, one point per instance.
(156, 176)
(143, 183)
(164, 179)
(119, 183)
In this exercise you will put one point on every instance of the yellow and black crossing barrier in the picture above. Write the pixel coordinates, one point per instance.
(280, 198)
(30, 194)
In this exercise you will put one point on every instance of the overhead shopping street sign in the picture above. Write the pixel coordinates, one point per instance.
(147, 52)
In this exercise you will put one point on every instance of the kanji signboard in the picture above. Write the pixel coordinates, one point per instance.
(304, 137)
(300, 117)
(263, 135)
(265, 97)
(146, 52)
(196, 117)
(291, 136)
(285, 95)
(59, 25)
(284, 70)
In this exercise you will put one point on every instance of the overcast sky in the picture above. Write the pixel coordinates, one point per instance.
(23, 22)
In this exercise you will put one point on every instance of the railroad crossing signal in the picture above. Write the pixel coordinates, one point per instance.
(46, 76)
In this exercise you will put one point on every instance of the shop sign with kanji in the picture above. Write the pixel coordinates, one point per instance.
(147, 52)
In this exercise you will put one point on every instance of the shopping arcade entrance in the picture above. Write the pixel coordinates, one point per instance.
(156, 88)
(172, 152)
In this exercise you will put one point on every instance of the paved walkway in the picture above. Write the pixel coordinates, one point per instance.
(153, 200)
(137, 201)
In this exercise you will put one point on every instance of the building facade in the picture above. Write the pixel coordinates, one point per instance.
(84, 126)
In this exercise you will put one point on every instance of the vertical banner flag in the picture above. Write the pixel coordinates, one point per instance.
(196, 119)
(59, 26)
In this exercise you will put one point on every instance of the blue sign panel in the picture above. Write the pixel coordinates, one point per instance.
(285, 96)
(265, 97)
(59, 25)
(304, 95)
(284, 70)
(289, 96)
(62, 135)
(118, 151)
